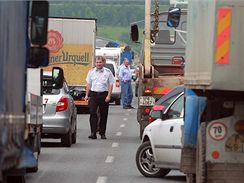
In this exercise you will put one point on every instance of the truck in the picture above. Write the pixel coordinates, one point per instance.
(71, 43)
(162, 59)
(18, 52)
(213, 140)
(34, 114)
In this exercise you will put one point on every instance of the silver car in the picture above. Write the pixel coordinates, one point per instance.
(59, 113)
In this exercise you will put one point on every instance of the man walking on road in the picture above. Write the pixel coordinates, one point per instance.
(126, 89)
(98, 93)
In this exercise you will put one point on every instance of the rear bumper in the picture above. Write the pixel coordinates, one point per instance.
(115, 96)
(56, 125)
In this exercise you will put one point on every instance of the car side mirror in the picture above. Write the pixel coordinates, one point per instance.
(38, 57)
(57, 77)
(173, 19)
(134, 33)
(163, 116)
(39, 22)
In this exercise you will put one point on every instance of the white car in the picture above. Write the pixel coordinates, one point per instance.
(161, 146)
(116, 93)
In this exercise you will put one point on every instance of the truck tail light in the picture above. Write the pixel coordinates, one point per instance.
(117, 83)
(178, 60)
(147, 91)
(62, 104)
(239, 126)
(147, 110)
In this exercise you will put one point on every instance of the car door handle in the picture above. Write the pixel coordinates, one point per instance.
(171, 129)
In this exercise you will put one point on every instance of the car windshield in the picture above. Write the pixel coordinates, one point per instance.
(110, 67)
(48, 88)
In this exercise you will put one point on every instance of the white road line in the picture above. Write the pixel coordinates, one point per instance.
(109, 159)
(101, 179)
(122, 125)
(115, 144)
(118, 133)
(125, 119)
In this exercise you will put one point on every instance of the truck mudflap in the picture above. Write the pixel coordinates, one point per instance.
(27, 158)
(194, 106)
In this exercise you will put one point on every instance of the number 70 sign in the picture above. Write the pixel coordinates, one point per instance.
(217, 131)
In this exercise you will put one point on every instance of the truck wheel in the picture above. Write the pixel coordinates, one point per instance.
(16, 179)
(145, 162)
(66, 140)
(117, 101)
(74, 135)
(141, 131)
(201, 154)
(190, 178)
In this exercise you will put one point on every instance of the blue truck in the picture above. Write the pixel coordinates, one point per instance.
(21, 48)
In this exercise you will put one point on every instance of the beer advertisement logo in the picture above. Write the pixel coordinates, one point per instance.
(55, 41)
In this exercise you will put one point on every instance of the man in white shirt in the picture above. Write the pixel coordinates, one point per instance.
(98, 93)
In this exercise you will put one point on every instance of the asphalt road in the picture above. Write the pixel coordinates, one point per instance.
(97, 161)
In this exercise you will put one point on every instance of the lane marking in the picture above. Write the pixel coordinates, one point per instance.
(115, 144)
(122, 125)
(119, 133)
(109, 159)
(125, 119)
(101, 179)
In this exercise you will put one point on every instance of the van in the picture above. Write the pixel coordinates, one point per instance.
(116, 93)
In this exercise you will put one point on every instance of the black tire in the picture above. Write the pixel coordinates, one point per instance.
(117, 101)
(16, 179)
(141, 131)
(74, 135)
(145, 162)
(66, 140)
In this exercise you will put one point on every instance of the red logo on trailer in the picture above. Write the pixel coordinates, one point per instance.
(54, 41)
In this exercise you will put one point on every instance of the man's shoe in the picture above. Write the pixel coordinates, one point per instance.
(130, 107)
(92, 136)
(103, 137)
(126, 107)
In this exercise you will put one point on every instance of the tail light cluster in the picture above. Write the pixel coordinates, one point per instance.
(117, 83)
(151, 119)
(62, 104)
(239, 126)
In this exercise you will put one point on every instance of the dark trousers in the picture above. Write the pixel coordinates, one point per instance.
(98, 100)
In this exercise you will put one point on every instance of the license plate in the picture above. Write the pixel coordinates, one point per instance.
(146, 101)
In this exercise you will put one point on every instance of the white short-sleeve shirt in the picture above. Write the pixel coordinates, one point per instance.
(100, 79)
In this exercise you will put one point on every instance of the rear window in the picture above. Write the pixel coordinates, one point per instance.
(47, 87)
(110, 67)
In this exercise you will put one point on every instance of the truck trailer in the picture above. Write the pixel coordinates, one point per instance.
(162, 59)
(71, 43)
(18, 52)
(213, 140)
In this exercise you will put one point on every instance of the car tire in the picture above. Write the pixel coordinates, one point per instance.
(66, 140)
(74, 135)
(117, 101)
(145, 162)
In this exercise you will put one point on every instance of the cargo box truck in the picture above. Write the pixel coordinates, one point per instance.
(71, 43)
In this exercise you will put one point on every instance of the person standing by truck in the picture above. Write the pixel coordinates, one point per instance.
(126, 88)
(99, 87)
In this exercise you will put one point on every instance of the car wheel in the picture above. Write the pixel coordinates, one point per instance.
(66, 140)
(145, 162)
(117, 101)
(74, 134)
